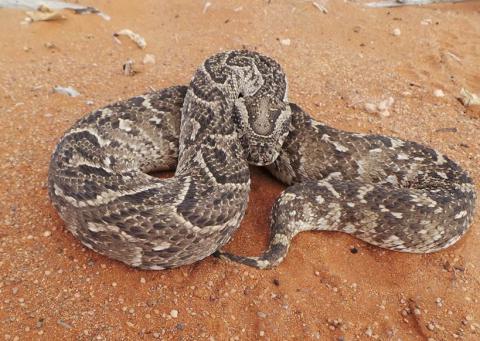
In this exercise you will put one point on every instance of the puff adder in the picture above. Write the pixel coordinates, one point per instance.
(391, 193)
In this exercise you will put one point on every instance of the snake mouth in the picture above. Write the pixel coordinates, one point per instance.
(264, 159)
(262, 154)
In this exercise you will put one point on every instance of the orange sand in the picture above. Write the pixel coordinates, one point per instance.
(53, 288)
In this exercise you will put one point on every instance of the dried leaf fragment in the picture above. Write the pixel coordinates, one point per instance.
(320, 7)
(69, 91)
(50, 4)
(138, 39)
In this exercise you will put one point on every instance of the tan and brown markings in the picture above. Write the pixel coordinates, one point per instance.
(98, 177)
(392, 193)
(395, 194)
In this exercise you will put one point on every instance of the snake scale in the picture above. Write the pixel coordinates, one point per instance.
(388, 192)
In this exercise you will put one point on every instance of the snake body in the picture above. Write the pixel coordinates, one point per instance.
(98, 177)
(391, 193)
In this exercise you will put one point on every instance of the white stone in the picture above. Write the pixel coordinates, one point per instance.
(370, 108)
(386, 104)
(149, 59)
(426, 22)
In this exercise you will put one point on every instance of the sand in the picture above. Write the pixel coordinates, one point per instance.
(331, 286)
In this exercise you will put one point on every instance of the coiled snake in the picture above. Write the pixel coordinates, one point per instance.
(392, 193)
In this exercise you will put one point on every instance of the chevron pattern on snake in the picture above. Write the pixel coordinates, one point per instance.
(392, 193)
(98, 177)
(395, 194)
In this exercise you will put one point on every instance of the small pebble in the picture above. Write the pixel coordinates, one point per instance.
(174, 313)
(285, 42)
(261, 314)
(47, 234)
(114, 284)
(149, 59)
(262, 333)
(385, 104)
(370, 108)
(142, 280)
(438, 93)
(396, 32)
(430, 326)
(128, 68)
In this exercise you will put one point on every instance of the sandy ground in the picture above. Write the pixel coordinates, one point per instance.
(52, 288)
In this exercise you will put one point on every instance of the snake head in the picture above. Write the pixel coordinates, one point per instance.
(263, 124)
